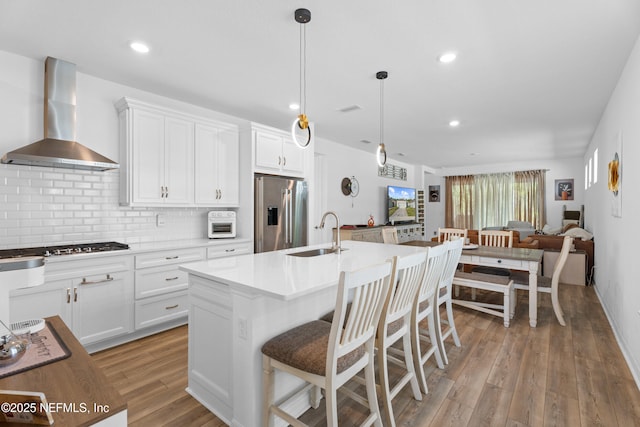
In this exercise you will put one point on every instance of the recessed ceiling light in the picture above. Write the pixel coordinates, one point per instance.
(454, 123)
(294, 106)
(447, 57)
(139, 47)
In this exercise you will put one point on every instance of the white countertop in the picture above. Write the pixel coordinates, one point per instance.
(140, 248)
(287, 277)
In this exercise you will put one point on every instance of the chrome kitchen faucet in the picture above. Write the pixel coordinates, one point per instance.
(335, 245)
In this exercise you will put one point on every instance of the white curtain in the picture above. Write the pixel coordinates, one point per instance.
(492, 200)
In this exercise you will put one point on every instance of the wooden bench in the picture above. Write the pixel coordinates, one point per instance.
(488, 282)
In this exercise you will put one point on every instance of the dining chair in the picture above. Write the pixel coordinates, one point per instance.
(327, 355)
(390, 235)
(445, 234)
(546, 284)
(423, 310)
(494, 238)
(444, 297)
(500, 238)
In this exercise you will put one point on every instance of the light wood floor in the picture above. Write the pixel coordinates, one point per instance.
(518, 376)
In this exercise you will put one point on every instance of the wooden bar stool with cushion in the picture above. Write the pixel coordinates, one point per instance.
(454, 250)
(393, 326)
(327, 355)
(546, 284)
(423, 312)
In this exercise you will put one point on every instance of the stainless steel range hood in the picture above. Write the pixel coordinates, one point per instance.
(59, 148)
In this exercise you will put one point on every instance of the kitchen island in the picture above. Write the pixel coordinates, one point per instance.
(238, 303)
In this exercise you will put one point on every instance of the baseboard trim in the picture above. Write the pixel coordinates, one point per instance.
(141, 333)
(635, 370)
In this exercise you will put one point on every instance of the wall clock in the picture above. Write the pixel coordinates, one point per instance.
(350, 186)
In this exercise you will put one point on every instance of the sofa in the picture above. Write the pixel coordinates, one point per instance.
(524, 228)
(544, 241)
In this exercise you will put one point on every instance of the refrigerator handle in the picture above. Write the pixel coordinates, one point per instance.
(259, 219)
(285, 200)
(289, 204)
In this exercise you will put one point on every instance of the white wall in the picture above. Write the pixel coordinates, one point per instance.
(434, 211)
(616, 239)
(341, 161)
(571, 168)
(57, 206)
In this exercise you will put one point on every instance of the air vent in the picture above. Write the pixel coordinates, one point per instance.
(350, 108)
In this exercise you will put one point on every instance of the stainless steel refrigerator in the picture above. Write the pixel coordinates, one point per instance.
(280, 217)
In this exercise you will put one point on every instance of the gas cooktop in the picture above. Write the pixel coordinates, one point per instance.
(48, 251)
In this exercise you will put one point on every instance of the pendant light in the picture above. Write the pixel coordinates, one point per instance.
(381, 152)
(301, 123)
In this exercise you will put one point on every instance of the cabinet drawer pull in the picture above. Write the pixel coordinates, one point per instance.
(284, 161)
(279, 160)
(499, 261)
(68, 295)
(75, 294)
(171, 307)
(168, 279)
(230, 250)
(85, 282)
(172, 257)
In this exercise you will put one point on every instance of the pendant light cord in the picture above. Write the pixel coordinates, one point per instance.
(303, 68)
(381, 111)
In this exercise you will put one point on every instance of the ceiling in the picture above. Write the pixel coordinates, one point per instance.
(531, 80)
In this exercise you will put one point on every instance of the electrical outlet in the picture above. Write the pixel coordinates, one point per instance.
(160, 220)
(242, 328)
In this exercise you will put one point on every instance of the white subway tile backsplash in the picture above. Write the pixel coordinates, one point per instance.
(46, 206)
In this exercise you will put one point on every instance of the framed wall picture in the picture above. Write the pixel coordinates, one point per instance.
(434, 193)
(564, 189)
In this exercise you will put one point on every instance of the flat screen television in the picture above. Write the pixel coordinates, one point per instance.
(401, 203)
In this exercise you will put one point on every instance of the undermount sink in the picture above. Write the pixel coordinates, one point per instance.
(314, 252)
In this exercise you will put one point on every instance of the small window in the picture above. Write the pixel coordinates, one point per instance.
(590, 171)
(595, 166)
(586, 176)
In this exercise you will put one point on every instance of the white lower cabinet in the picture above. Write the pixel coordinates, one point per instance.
(107, 300)
(94, 297)
(161, 288)
(162, 308)
(229, 249)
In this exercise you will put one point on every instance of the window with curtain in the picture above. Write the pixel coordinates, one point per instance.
(492, 200)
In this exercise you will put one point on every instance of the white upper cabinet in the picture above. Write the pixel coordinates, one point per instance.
(161, 158)
(170, 158)
(275, 152)
(217, 165)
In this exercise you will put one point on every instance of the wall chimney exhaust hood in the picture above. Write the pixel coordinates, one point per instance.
(59, 148)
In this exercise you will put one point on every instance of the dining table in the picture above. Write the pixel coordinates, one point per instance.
(521, 259)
